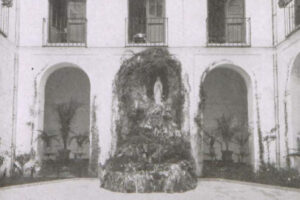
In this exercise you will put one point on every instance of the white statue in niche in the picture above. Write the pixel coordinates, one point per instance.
(158, 90)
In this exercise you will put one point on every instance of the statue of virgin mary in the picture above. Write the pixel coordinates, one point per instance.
(158, 90)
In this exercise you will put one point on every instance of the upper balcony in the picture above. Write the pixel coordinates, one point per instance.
(230, 32)
(69, 32)
(292, 17)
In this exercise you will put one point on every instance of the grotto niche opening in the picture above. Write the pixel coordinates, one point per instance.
(152, 153)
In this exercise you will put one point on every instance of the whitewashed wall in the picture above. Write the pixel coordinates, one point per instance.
(7, 65)
(102, 59)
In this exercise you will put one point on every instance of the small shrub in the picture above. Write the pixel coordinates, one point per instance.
(234, 171)
(271, 175)
(1, 160)
(267, 174)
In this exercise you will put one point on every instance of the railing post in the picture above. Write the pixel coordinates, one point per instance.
(4, 20)
(207, 34)
(43, 31)
(126, 32)
(167, 31)
(250, 31)
(85, 31)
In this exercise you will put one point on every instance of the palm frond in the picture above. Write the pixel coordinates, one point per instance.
(47, 137)
(80, 139)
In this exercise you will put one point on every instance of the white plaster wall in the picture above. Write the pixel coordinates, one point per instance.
(106, 22)
(295, 98)
(280, 22)
(6, 92)
(260, 13)
(7, 63)
(288, 51)
(102, 59)
(101, 65)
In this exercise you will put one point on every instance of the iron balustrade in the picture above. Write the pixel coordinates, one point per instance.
(71, 32)
(4, 20)
(146, 31)
(291, 17)
(232, 32)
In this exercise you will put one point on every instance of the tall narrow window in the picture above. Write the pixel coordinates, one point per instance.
(4, 19)
(67, 22)
(146, 23)
(297, 12)
(291, 15)
(226, 22)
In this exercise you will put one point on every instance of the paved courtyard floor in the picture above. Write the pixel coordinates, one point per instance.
(88, 189)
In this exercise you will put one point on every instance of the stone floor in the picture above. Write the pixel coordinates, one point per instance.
(81, 189)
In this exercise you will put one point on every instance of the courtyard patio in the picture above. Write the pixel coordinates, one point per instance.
(207, 189)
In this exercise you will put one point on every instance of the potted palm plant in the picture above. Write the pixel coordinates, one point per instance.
(210, 138)
(268, 139)
(80, 139)
(227, 131)
(242, 140)
(47, 139)
(80, 162)
(66, 113)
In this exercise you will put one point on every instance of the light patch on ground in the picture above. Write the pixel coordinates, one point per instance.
(78, 189)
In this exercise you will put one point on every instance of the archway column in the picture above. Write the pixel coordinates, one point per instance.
(191, 76)
(105, 106)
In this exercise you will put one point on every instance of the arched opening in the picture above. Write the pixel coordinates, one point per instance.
(227, 134)
(66, 125)
(295, 107)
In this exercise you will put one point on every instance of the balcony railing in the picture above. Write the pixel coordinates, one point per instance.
(4, 20)
(291, 18)
(233, 32)
(146, 31)
(65, 32)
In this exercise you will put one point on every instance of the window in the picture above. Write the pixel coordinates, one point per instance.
(146, 23)
(297, 12)
(292, 16)
(4, 20)
(226, 22)
(67, 22)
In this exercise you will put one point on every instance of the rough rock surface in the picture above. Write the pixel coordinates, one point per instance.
(152, 153)
(154, 159)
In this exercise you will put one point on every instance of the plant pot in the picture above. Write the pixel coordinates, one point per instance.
(227, 156)
(63, 155)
